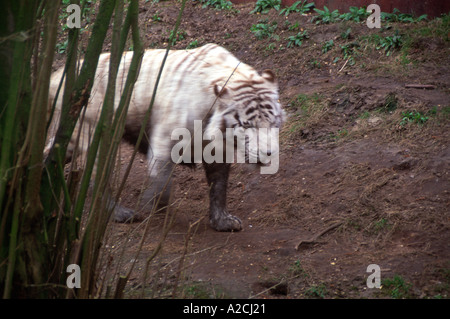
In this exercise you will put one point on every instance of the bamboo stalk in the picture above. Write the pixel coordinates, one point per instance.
(12, 246)
(33, 239)
(87, 72)
(98, 213)
(15, 151)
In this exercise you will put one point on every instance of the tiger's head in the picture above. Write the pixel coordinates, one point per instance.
(250, 116)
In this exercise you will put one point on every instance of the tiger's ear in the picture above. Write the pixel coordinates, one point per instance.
(220, 91)
(268, 75)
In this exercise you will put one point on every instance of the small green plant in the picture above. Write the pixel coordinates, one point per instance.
(396, 287)
(316, 291)
(294, 27)
(181, 35)
(197, 291)
(192, 44)
(390, 43)
(61, 47)
(413, 117)
(263, 6)
(297, 269)
(308, 110)
(390, 102)
(315, 64)
(325, 16)
(340, 134)
(299, 6)
(217, 4)
(346, 34)
(381, 224)
(349, 50)
(327, 46)
(297, 40)
(156, 17)
(397, 16)
(356, 14)
(439, 27)
(263, 29)
(271, 47)
(306, 100)
(365, 115)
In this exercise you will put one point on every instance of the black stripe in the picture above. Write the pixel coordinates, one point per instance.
(264, 91)
(187, 56)
(266, 106)
(251, 82)
(248, 92)
(248, 97)
(236, 116)
(250, 110)
(246, 103)
(246, 85)
(200, 54)
(196, 60)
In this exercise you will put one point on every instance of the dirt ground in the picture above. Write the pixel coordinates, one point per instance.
(357, 185)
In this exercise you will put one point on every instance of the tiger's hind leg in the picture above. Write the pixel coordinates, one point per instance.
(155, 196)
(219, 218)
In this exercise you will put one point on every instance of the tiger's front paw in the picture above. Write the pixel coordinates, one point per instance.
(226, 222)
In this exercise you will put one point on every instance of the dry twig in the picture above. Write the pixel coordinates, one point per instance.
(314, 239)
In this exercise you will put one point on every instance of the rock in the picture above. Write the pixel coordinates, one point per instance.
(374, 121)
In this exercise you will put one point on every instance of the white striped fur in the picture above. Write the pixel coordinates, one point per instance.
(192, 81)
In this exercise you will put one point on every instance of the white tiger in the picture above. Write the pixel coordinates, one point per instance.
(192, 81)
